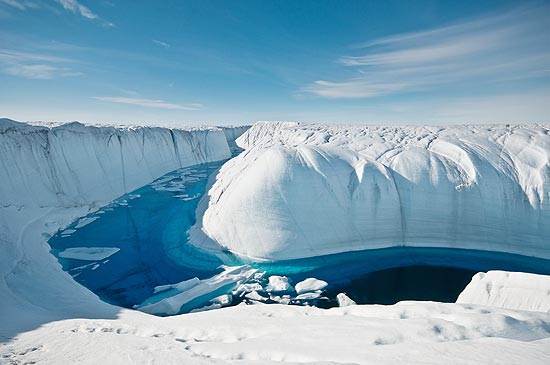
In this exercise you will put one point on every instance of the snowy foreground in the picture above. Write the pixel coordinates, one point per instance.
(54, 175)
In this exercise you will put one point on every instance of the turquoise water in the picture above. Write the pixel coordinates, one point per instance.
(390, 275)
(150, 227)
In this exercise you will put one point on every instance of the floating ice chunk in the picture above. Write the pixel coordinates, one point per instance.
(278, 284)
(181, 286)
(247, 288)
(202, 292)
(79, 268)
(309, 296)
(67, 232)
(85, 221)
(223, 300)
(285, 299)
(310, 285)
(256, 297)
(344, 300)
(88, 253)
(198, 195)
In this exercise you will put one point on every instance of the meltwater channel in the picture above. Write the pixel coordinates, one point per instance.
(139, 243)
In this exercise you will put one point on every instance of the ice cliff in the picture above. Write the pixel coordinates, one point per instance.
(307, 190)
(51, 175)
(77, 164)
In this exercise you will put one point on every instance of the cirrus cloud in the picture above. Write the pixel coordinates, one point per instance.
(511, 45)
(149, 103)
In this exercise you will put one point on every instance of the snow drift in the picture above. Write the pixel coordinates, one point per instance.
(512, 290)
(307, 190)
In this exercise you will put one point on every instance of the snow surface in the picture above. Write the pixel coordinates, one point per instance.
(56, 175)
(514, 290)
(408, 332)
(302, 190)
(88, 253)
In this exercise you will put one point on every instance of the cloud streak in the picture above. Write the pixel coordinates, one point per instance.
(20, 4)
(161, 43)
(75, 7)
(72, 6)
(480, 51)
(39, 71)
(148, 103)
(38, 66)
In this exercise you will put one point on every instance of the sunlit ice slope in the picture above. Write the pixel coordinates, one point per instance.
(302, 190)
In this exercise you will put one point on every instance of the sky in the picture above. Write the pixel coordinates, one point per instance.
(235, 62)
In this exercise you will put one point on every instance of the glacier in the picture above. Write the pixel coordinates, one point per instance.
(52, 175)
(74, 164)
(55, 175)
(302, 190)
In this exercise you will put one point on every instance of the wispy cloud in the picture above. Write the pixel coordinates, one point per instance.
(21, 4)
(35, 65)
(485, 50)
(75, 7)
(149, 103)
(39, 71)
(161, 43)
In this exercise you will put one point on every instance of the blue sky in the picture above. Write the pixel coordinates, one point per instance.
(234, 62)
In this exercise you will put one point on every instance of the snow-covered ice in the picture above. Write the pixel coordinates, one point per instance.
(74, 164)
(88, 253)
(513, 290)
(53, 176)
(278, 284)
(302, 190)
(85, 221)
(310, 285)
(181, 286)
(204, 290)
(344, 300)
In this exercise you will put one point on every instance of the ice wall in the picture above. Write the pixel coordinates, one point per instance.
(52, 175)
(76, 164)
(234, 132)
(307, 190)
